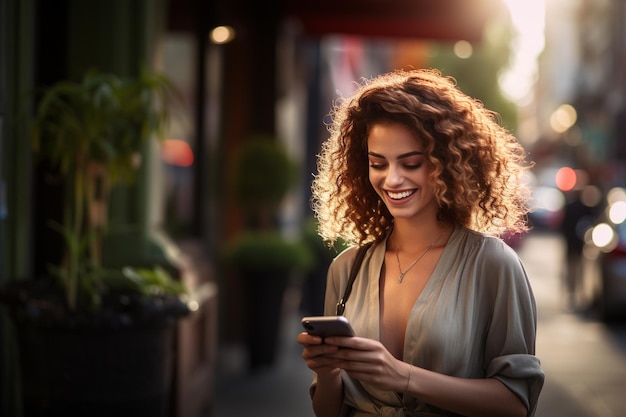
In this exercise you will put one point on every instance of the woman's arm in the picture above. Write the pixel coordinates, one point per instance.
(327, 396)
(469, 397)
(369, 361)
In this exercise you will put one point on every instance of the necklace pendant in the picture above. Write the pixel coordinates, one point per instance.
(402, 274)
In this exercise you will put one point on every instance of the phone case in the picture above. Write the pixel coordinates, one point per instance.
(327, 326)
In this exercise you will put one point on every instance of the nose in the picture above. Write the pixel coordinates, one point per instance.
(394, 176)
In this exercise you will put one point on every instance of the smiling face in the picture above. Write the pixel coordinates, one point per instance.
(399, 172)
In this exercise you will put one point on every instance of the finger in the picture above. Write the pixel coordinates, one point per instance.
(306, 339)
(356, 343)
(323, 360)
(323, 363)
(314, 351)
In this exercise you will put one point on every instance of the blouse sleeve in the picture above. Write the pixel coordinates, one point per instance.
(511, 334)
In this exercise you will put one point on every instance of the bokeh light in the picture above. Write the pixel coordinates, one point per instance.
(565, 178)
(563, 118)
(222, 34)
(602, 235)
(617, 212)
(463, 49)
(176, 152)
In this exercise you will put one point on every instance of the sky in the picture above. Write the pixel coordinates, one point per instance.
(528, 17)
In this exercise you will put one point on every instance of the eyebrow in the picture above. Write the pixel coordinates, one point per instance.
(404, 155)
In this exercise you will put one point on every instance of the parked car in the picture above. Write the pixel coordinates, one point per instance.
(603, 286)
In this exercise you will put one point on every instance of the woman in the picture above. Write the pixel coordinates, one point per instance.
(444, 315)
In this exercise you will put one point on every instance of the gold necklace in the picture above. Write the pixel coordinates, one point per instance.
(402, 274)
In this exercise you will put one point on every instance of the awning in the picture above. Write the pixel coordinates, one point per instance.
(435, 19)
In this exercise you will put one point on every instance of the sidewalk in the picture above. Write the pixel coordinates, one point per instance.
(281, 391)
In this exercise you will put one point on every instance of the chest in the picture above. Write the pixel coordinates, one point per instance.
(397, 299)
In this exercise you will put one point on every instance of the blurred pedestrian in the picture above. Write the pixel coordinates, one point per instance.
(577, 217)
(444, 315)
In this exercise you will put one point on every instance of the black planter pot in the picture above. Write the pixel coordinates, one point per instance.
(265, 291)
(116, 361)
(95, 371)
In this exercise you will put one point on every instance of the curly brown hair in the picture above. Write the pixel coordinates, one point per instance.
(478, 165)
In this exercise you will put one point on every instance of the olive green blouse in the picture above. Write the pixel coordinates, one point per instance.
(475, 318)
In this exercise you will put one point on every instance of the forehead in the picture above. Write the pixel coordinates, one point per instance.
(390, 136)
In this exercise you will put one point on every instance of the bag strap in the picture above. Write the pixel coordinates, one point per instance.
(341, 304)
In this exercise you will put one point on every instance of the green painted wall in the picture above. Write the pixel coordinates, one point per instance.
(16, 63)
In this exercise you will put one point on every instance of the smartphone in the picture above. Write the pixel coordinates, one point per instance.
(327, 326)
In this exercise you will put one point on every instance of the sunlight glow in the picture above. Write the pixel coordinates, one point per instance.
(528, 18)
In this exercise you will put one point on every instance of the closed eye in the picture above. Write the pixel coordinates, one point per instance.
(413, 166)
(378, 162)
(380, 165)
(377, 165)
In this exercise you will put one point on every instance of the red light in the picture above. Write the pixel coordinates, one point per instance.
(565, 179)
(177, 152)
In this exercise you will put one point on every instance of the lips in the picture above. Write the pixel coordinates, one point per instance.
(400, 195)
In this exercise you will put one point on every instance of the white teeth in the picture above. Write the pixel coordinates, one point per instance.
(398, 196)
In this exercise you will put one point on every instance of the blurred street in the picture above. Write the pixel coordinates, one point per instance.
(584, 360)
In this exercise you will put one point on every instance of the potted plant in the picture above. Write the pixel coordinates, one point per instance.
(86, 330)
(262, 256)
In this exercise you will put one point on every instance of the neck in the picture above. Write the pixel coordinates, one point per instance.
(408, 236)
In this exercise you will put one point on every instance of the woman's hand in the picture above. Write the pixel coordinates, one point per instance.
(319, 355)
(368, 361)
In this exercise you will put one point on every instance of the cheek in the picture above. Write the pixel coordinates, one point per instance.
(376, 182)
(429, 185)
(375, 178)
(425, 175)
